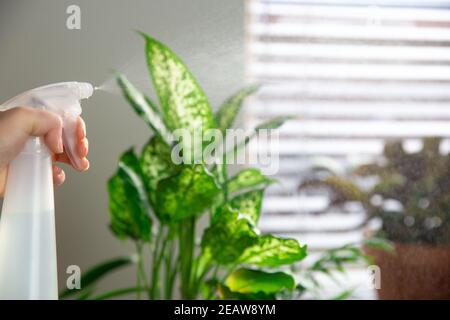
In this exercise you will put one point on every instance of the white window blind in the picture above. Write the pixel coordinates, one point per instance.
(353, 74)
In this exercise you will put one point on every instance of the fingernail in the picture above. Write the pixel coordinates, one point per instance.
(87, 164)
(57, 170)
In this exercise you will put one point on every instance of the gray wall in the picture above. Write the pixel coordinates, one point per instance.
(37, 48)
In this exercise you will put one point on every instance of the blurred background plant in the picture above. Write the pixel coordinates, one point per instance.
(333, 264)
(408, 191)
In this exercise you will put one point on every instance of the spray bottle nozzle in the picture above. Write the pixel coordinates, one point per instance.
(85, 90)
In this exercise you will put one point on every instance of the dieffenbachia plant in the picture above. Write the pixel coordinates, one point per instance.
(157, 204)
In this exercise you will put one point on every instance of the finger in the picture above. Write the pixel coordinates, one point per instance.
(62, 157)
(81, 129)
(83, 164)
(83, 148)
(43, 123)
(3, 172)
(22, 122)
(58, 176)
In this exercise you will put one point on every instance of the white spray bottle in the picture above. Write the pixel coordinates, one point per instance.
(27, 224)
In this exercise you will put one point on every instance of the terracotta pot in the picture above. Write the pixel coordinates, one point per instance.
(414, 272)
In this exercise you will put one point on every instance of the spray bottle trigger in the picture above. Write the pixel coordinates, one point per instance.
(69, 116)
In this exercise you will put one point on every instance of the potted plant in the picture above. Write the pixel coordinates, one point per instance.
(193, 225)
(162, 205)
(409, 193)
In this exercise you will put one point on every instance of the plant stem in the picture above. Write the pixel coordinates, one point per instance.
(142, 269)
(225, 180)
(138, 282)
(168, 269)
(186, 248)
(172, 274)
(214, 277)
(141, 278)
(202, 266)
(171, 269)
(154, 279)
(158, 257)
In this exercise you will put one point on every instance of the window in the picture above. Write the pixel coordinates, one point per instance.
(353, 74)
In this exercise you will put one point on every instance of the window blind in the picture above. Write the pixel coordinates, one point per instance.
(352, 74)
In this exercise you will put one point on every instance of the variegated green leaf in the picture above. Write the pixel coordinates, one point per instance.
(271, 251)
(146, 111)
(227, 238)
(248, 205)
(253, 281)
(228, 111)
(128, 204)
(183, 102)
(248, 178)
(156, 164)
(186, 194)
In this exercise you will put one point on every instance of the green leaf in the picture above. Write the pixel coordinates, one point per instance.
(271, 251)
(344, 295)
(370, 169)
(86, 294)
(226, 294)
(335, 259)
(186, 194)
(345, 190)
(147, 111)
(391, 186)
(128, 204)
(269, 125)
(249, 204)
(228, 237)
(274, 123)
(326, 164)
(182, 100)
(380, 243)
(342, 190)
(228, 111)
(97, 272)
(252, 281)
(248, 178)
(156, 164)
(118, 293)
(152, 104)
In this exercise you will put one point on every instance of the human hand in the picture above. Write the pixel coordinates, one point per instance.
(18, 124)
